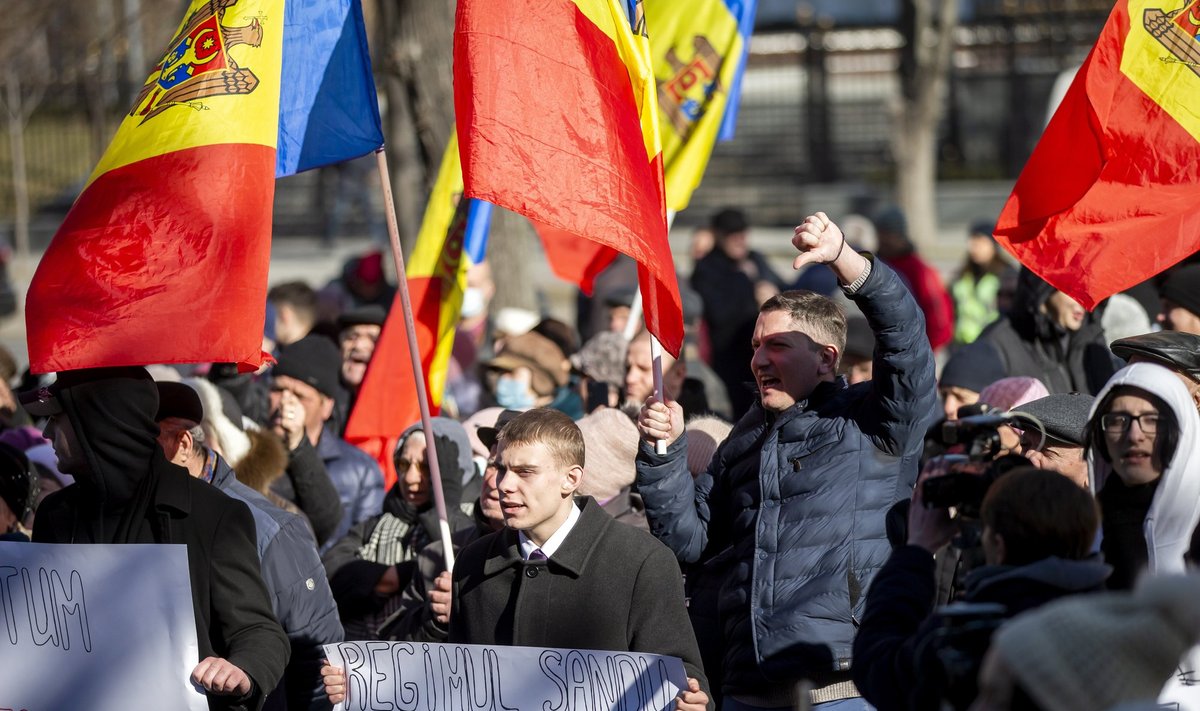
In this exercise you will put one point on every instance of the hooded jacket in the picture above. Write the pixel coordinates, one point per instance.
(895, 651)
(125, 491)
(1175, 508)
(1032, 345)
(393, 538)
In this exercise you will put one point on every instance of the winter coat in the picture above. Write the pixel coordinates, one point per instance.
(609, 587)
(1030, 344)
(304, 482)
(393, 538)
(1175, 508)
(801, 498)
(357, 478)
(895, 652)
(930, 294)
(299, 591)
(414, 621)
(130, 493)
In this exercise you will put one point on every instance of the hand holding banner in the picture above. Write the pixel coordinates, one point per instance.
(411, 675)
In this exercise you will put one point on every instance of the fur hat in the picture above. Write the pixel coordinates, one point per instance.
(1084, 653)
(222, 433)
(610, 441)
(602, 358)
(705, 434)
(265, 461)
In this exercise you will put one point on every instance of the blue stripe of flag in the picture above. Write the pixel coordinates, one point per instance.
(328, 111)
(744, 11)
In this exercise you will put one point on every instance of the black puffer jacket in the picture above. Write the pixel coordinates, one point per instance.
(1032, 345)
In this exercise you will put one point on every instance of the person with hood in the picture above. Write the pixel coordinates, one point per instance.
(370, 567)
(1048, 336)
(1038, 530)
(287, 551)
(424, 612)
(1144, 461)
(101, 421)
(1143, 443)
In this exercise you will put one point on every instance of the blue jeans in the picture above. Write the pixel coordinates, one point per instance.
(843, 705)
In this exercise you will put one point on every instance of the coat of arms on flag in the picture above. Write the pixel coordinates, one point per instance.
(197, 63)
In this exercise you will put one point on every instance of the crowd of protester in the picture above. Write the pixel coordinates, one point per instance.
(879, 489)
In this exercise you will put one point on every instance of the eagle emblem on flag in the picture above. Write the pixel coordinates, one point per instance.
(197, 62)
(1177, 31)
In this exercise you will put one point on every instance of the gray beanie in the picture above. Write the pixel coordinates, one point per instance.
(1091, 652)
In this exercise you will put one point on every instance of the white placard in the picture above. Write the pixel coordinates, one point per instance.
(101, 627)
(415, 676)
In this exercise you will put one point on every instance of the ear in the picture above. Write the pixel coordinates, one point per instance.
(572, 478)
(326, 407)
(996, 541)
(829, 359)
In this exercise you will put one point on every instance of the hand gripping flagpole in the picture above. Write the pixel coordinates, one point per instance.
(632, 326)
(414, 355)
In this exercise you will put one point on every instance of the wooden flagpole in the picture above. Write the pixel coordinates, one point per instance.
(414, 355)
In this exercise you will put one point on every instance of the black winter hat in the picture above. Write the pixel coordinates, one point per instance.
(973, 368)
(1183, 287)
(313, 360)
(370, 315)
(44, 402)
(178, 400)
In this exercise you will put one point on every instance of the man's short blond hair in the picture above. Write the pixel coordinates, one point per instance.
(814, 315)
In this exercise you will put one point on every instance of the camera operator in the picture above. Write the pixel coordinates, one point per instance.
(1038, 529)
(1053, 432)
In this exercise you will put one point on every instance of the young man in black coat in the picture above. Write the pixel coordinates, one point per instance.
(125, 491)
(563, 573)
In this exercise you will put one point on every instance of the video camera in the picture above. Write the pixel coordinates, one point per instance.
(971, 473)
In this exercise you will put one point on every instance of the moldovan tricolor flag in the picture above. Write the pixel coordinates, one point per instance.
(163, 257)
(1109, 197)
(453, 227)
(557, 121)
(699, 49)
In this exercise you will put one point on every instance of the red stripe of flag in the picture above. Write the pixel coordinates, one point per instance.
(159, 262)
(548, 127)
(1108, 198)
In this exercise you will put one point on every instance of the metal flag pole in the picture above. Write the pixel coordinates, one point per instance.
(414, 355)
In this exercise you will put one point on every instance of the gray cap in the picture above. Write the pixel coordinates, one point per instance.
(1063, 415)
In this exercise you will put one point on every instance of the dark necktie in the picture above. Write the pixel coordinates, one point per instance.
(537, 555)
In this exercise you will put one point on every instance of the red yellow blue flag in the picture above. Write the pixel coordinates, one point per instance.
(163, 257)
(557, 115)
(1108, 198)
(453, 228)
(699, 52)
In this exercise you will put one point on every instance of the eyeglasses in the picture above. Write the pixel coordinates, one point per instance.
(1118, 423)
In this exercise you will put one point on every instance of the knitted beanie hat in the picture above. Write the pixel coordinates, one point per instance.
(1182, 286)
(705, 434)
(610, 441)
(1084, 653)
(1007, 393)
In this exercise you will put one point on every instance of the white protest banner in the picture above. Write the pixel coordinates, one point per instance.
(101, 627)
(415, 676)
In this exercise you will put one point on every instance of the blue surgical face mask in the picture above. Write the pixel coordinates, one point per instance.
(513, 394)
